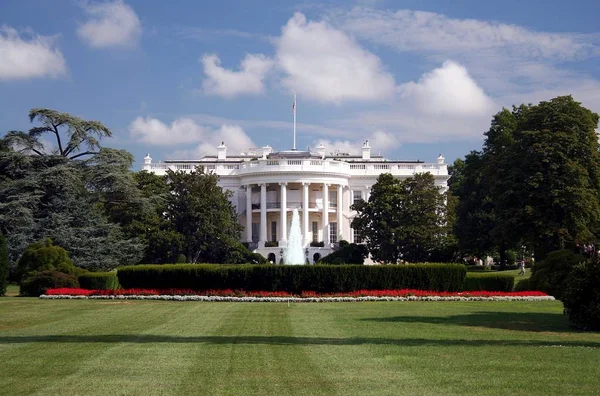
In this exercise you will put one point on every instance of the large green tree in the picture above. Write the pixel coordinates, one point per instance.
(198, 209)
(403, 219)
(542, 169)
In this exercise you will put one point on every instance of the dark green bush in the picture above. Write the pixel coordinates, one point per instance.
(581, 296)
(317, 244)
(348, 254)
(489, 282)
(550, 274)
(181, 259)
(271, 244)
(39, 282)
(478, 268)
(44, 256)
(4, 265)
(294, 278)
(99, 281)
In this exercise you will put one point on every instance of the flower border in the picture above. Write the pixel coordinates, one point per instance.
(229, 295)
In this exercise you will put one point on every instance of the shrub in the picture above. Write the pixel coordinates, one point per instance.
(181, 259)
(39, 282)
(581, 296)
(489, 282)
(4, 265)
(294, 278)
(99, 281)
(271, 244)
(348, 254)
(523, 285)
(550, 274)
(44, 256)
(317, 244)
(511, 257)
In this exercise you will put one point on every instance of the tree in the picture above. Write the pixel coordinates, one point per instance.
(198, 209)
(474, 206)
(402, 219)
(80, 134)
(542, 168)
(4, 265)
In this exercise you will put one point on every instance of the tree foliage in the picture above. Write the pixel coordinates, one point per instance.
(200, 211)
(403, 219)
(4, 265)
(535, 184)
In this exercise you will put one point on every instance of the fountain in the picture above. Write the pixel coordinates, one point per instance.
(294, 254)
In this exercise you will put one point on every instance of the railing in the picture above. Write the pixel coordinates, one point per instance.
(305, 165)
(294, 205)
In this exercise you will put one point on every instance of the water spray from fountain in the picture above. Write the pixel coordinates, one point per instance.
(294, 253)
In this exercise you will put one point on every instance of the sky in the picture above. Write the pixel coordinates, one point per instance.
(174, 79)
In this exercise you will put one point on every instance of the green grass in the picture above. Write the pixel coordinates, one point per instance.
(417, 348)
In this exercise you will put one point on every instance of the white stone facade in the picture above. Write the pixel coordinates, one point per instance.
(266, 186)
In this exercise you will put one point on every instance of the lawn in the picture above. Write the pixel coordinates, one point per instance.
(64, 347)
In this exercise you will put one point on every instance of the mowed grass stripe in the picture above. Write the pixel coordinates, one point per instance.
(246, 357)
(150, 359)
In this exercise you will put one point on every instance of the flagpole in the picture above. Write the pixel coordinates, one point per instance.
(294, 148)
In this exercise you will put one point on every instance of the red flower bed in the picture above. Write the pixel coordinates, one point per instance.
(242, 293)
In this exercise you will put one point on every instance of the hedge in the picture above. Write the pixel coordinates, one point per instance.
(99, 281)
(477, 281)
(38, 282)
(294, 278)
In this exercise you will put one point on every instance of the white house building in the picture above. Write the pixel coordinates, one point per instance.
(267, 186)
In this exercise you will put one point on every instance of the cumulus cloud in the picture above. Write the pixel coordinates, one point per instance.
(448, 89)
(185, 131)
(228, 83)
(324, 63)
(22, 58)
(112, 24)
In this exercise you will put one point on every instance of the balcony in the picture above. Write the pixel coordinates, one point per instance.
(295, 205)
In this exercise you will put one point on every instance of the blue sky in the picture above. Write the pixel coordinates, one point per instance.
(416, 78)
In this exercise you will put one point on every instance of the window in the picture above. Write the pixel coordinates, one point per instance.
(357, 237)
(315, 231)
(333, 232)
(333, 199)
(357, 196)
(273, 231)
(254, 232)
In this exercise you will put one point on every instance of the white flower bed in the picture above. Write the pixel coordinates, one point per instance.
(294, 299)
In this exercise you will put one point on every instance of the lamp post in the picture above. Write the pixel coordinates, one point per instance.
(280, 256)
(306, 254)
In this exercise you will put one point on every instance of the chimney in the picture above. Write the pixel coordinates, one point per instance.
(222, 151)
(321, 150)
(366, 150)
(147, 162)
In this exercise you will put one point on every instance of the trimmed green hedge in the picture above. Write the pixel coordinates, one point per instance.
(99, 281)
(294, 278)
(482, 281)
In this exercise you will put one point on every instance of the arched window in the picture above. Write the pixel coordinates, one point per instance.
(316, 257)
(272, 259)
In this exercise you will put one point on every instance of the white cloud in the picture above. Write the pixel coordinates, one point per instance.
(409, 30)
(36, 57)
(185, 131)
(112, 24)
(448, 89)
(323, 63)
(227, 83)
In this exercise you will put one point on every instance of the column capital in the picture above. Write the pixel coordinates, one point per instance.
(327, 184)
(368, 187)
(262, 184)
(283, 183)
(305, 183)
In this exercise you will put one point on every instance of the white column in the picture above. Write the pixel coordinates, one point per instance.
(304, 214)
(249, 213)
(263, 215)
(367, 193)
(326, 214)
(340, 192)
(283, 220)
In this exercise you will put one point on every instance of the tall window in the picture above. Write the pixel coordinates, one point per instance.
(254, 232)
(333, 232)
(273, 231)
(333, 199)
(357, 237)
(315, 231)
(357, 196)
